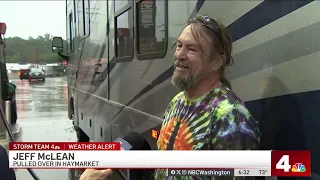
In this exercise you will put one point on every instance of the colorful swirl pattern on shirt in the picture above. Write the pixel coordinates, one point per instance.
(219, 111)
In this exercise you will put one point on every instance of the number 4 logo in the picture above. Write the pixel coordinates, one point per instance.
(283, 163)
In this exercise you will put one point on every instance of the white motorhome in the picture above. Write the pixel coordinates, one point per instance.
(120, 61)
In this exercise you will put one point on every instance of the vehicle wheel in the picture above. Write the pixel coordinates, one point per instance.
(43, 79)
(82, 136)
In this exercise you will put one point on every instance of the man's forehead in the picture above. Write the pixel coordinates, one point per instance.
(186, 37)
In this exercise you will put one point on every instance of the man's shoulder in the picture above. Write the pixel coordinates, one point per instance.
(231, 118)
(229, 103)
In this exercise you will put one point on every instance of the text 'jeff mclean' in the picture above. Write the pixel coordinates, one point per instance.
(44, 156)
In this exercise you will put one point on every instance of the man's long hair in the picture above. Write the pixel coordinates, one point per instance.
(220, 40)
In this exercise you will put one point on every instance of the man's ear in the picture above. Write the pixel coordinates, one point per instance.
(218, 62)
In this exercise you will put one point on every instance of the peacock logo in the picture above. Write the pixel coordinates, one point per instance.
(298, 167)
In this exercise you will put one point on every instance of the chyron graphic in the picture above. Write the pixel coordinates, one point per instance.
(298, 167)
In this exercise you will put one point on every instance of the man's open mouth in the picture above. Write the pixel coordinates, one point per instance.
(180, 66)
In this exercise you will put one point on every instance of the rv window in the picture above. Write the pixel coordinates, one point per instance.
(123, 34)
(83, 17)
(70, 34)
(80, 20)
(86, 17)
(151, 26)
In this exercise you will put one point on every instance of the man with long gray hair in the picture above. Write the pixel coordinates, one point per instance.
(206, 114)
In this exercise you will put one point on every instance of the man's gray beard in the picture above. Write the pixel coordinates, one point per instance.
(183, 83)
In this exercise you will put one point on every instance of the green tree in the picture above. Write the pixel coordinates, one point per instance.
(31, 50)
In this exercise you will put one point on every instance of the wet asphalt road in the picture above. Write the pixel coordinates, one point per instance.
(42, 116)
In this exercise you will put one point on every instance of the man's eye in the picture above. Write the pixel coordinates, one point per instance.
(179, 45)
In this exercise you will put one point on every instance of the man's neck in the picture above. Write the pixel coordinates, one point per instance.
(202, 87)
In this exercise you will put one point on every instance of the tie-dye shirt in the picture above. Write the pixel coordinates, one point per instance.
(221, 111)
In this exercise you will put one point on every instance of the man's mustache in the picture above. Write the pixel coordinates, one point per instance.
(180, 63)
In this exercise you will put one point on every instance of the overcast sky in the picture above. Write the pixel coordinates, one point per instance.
(33, 18)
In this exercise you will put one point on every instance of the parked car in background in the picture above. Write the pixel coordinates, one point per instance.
(36, 73)
(24, 74)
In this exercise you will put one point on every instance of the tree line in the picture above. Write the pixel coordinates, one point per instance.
(31, 50)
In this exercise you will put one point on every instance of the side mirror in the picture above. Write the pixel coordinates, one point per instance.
(57, 45)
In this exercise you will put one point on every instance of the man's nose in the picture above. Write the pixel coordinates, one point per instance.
(181, 54)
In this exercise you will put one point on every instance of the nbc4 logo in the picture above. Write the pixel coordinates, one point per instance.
(298, 167)
(286, 167)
